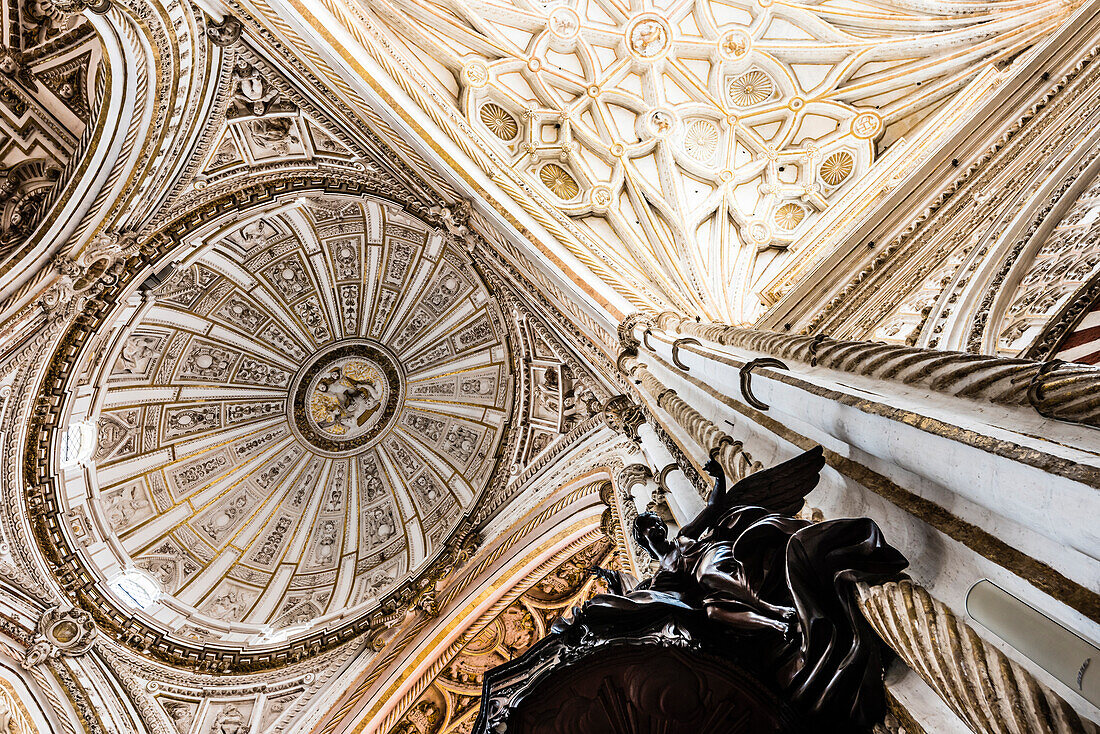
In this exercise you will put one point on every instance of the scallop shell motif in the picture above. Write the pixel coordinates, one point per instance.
(789, 216)
(752, 87)
(499, 121)
(836, 168)
(701, 140)
(559, 181)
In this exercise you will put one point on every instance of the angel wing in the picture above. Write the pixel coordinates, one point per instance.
(781, 488)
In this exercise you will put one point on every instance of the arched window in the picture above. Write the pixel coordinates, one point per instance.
(78, 444)
(136, 589)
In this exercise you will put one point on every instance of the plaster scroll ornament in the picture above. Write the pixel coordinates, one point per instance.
(225, 32)
(99, 265)
(79, 6)
(685, 147)
(69, 632)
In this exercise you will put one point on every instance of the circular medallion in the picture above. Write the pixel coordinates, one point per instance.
(660, 123)
(866, 125)
(476, 74)
(346, 397)
(600, 197)
(648, 37)
(564, 23)
(734, 44)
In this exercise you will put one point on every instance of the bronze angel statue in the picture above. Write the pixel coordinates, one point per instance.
(780, 588)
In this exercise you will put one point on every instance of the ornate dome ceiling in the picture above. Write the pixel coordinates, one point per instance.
(290, 424)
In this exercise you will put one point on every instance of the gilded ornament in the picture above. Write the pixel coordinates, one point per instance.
(866, 125)
(789, 216)
(661, 122)
(499, 121)
(476, 74)
(563, 22)
(559, 181)
(601, 197)
(752, 87)
(734, 44)
(648, 38)
(836, 168)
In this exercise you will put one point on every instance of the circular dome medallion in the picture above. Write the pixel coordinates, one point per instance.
(346, 397)
(648, 37)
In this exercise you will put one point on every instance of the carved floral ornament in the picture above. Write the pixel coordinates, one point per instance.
(279, 319)
(703, 134)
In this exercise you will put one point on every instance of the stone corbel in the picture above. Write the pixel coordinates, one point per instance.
(622, 415)
(69, 632)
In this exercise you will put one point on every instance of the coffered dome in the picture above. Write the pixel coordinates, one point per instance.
(290, 424)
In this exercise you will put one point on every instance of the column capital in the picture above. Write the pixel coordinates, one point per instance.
(629, 343)
(633, 474)
(623, 415)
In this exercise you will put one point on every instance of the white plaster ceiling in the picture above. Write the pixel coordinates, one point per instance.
(686, 146)
(206, 481)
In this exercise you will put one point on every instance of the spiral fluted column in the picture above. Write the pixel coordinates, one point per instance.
(1055, 389)
(987, 690)
(729, 452)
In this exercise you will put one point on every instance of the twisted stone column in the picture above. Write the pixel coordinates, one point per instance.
(986, 689)
(1055, 389)
(729, 452)
(630, 476)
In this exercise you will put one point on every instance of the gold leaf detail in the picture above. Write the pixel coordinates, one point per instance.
(559, 181)
(789, 216)
(836, 168)
(752, 87)
(499, 121)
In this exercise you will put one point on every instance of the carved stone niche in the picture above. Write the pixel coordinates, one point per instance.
(662, 681)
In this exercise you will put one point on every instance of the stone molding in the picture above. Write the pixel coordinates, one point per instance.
(1054, 389)
(730, 453)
